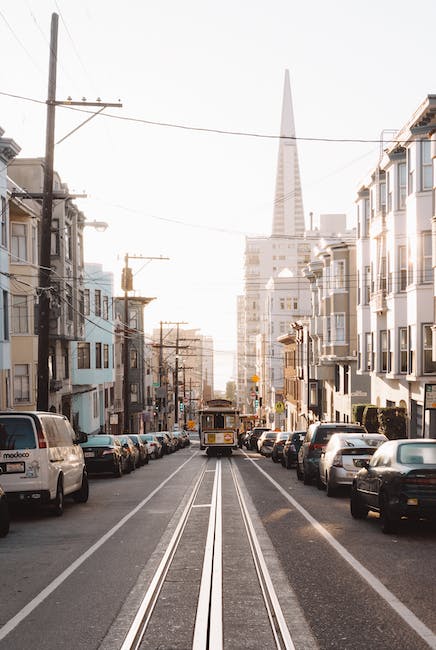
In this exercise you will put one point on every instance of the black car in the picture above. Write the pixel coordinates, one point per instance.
(315, 441)
(165, 440)
(104, 454)
(291, 448)
(399, 481)
(4, 514)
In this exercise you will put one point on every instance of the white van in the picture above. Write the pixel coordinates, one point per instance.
(41, 459)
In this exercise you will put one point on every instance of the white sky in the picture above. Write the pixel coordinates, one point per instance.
(356, 69)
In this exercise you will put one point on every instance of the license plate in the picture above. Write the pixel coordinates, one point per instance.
(89, 454)
(14, 467)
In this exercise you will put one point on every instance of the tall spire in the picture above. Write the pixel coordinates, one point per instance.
(288, 217)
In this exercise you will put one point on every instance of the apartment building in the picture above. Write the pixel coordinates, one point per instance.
(92, 360)
(395, 267)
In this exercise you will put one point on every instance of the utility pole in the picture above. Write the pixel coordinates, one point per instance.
(46, 219)
(127, 285)
(45, 241)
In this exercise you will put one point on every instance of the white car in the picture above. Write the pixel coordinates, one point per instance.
(155, 449)
(343, 457)
(41, 459)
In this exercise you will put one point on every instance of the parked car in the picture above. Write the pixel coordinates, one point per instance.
(343, 456)
(291, 448)
(154, 446)
(179, 440)
(255, 433)
(279, 443)
(141, 447)
(166, 441)
(265, 442)
(103, 454)
(132, 452)
(4, 513)
(41, 459)
(398, 481)
(317, 436)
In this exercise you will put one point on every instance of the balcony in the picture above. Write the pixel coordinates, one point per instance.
(378, 301)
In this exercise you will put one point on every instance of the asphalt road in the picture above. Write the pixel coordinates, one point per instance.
(74, 581)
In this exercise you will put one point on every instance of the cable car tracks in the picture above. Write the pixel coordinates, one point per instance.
(208, 624)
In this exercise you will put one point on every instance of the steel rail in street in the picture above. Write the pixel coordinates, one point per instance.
(138, 628)
(278, 624)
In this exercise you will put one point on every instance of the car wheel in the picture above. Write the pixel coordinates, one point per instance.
(274, 459)
(357, 509)
(319, 483)
(299, 472)
(81, 496)
(146, 459)
(4, 518)
(118, 472)
(329, 489)
(389, 523)
(306, 477)
(58, 502)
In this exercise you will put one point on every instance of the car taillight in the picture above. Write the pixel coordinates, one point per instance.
(42, 443)
(337, 460)
(315, 445)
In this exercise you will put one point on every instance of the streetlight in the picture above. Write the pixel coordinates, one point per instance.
(100, 226)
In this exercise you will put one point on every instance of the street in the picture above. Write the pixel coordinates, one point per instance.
(77, 581)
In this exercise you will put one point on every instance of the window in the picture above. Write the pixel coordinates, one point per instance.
(55, 238)
(402, 268)
(69, 299)
(83, 355)
(340, 274)
(68, 243)
(367, 293)
(106, 307)
(5, 316)
(3, 221)
(366, 217)
(106, 355)
(282, 303)
(94, 404)
(328, 330)
(403, 349)
(339, 328)
(34, 245)
(337, 378)
(133, 319)
(368, 342)
(402, 189)
(98, 355)
(383, 351)
(134, 393)
(426, 166)
(133, 358)
(97, 306)
(86, 303)
(21, 383)
(410, 167)
(428, 365)
(19, 242)
(20, 315)
(427, 271)
(346, 379)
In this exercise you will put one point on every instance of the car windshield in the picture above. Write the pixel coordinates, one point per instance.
(98, 441)
(17, 433)
(417, 453)
(325, 433)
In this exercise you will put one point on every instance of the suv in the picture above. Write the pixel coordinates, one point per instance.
(41, 459)
(255, 435)
(315, 441)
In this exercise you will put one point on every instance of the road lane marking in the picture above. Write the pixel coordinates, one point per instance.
(54, 584)
(404, 612)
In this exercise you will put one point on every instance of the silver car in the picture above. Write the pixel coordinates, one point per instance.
(343, 457)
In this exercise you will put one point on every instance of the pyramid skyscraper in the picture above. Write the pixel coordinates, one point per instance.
(288, 217)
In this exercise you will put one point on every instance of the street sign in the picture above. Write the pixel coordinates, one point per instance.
(255, 379)
(430, 396)
(280, 407)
